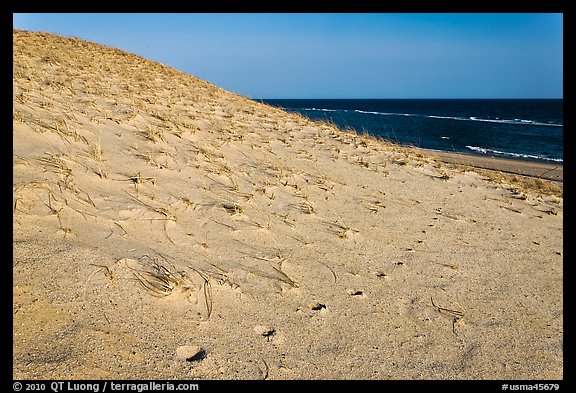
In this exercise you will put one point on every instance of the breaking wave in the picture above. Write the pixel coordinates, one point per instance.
(484, 150)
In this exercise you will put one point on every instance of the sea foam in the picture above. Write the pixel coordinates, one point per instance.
(485, 150)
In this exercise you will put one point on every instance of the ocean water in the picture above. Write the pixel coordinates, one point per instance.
(527, 129)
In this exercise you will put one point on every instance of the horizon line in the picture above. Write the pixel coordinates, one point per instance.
(406, 98)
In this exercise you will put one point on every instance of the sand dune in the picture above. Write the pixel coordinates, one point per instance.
(164, 228)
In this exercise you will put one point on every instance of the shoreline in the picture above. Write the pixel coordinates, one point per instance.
(547, 171)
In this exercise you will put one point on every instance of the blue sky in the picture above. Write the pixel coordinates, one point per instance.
(340, 55)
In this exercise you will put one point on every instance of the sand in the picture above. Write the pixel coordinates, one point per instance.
(164, 228)
(534, 169)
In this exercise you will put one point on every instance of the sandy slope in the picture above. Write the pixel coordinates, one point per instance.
(153, 211)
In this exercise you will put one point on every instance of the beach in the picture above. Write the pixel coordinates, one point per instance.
(164, 228)
(535, 169)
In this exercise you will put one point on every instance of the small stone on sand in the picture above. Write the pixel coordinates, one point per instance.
(190, 353)
(265, 331)
(316, 306)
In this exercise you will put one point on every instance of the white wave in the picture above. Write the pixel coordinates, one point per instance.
(501, 121)
(444, 137)
(444, 117)
(471, 118)
(320, 109)
(384, 113)
(371, 113)
(479, 149)
(484, 150)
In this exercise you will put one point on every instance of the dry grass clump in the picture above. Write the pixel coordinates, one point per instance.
(95, 150)
(159, 280)
(535, 185)
(343, 231)
(522, 184)
(233, 208)
(162, 208)
(153, 135)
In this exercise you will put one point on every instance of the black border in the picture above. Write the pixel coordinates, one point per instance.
(297, 6)
(252, 385)
(567, 7)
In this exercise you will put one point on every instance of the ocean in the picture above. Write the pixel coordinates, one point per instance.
(527, 129)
